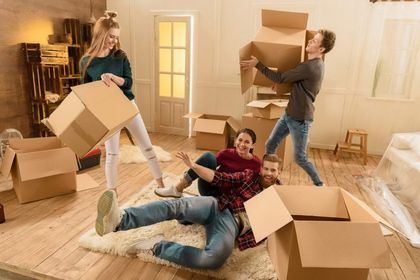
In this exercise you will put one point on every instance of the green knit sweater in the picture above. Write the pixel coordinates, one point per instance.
(116, 63)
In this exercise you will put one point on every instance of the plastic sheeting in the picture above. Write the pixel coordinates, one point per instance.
(394, 186)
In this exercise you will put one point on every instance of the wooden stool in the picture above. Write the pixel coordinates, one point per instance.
(350, 147)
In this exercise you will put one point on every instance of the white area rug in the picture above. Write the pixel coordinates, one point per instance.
(249, 264)
(133, 154)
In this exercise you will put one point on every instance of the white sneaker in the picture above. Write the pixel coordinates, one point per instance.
(170, 191)
(109, 214)
(144, 245)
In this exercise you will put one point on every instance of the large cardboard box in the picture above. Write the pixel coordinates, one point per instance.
(213, 131)
(279, 44)
(317, 233)
(40, 168)
(268, 109)
(262, 128)
(89, 115)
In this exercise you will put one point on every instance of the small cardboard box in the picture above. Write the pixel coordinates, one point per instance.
(89, 115)
(212, 131)
(317, 233)
(268, 109)
(262, 128)
(40, 168)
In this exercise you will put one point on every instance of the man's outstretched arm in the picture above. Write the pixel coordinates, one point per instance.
(205, 173)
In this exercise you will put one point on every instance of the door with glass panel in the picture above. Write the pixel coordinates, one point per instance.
(173, 74)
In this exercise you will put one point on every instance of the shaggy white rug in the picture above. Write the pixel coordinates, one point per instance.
(249, 264)
(133, 154)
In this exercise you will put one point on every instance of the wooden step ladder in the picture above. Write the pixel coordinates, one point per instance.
(349, 146)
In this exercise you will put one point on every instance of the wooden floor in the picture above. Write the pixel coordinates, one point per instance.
(40, 239)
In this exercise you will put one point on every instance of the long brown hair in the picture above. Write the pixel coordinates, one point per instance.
(100, 32)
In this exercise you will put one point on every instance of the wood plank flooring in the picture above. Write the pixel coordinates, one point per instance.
(40, 240)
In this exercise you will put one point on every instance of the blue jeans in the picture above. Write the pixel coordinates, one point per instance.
(299, 131)
(221, 229)
(205, 188)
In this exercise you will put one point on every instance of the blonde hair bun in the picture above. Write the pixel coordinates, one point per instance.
(110, 14)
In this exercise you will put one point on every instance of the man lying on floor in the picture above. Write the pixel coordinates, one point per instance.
(224, 217)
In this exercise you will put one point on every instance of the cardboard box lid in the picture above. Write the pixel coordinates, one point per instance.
(267, 213)
(26, 145)
(341, 244)
(284, 19)
(39, 164)
(314, 202)
(267, 103)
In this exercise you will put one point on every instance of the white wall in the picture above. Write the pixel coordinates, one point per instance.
(224, 26)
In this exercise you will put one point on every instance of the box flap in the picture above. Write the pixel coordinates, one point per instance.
(284, 19)
(266, 213)
(350, 199)
(266, 103)
(247, 76)
(193, 115)
(311, 201)
(7, 163)
(65, 114)
(233, 124)
(35, 144)
(34, 165)
(112, 109)
(210, 126)
(341, 244)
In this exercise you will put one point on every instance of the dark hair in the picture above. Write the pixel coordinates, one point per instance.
(250, 132)
(328, 40)
(272, 158)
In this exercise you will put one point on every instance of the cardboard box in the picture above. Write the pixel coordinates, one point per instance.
(213, 131)
(279, 44)
(40, 168)
(317, 233)
(268, 109)
(262, 128)
(89, 115)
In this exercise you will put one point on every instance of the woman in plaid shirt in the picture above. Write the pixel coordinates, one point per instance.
(224, 217)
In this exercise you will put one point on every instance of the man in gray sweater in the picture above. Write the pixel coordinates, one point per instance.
(306, 79)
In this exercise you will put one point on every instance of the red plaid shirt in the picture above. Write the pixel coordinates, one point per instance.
(236, 188)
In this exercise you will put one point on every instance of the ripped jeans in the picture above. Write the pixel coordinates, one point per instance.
(140, 136)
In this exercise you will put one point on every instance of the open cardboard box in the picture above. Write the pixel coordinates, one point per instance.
(89, 115)
(279, 44)
(212, 131)
(268, 109)
(40, 168)
(317, 233)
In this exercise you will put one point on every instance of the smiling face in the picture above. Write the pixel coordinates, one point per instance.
(244, 144)
(112, 38)
(268, 173)
(315, 45)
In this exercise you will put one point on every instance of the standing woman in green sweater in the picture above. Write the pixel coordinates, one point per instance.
(104, 60)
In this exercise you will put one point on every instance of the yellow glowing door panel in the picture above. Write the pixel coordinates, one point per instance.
(179, 61)
(165, 34)
(165, 60)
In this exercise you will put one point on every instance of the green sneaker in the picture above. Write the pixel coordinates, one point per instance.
(109, 214)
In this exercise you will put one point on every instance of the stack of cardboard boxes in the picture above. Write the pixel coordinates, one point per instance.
(262, 119)
(280, 45)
